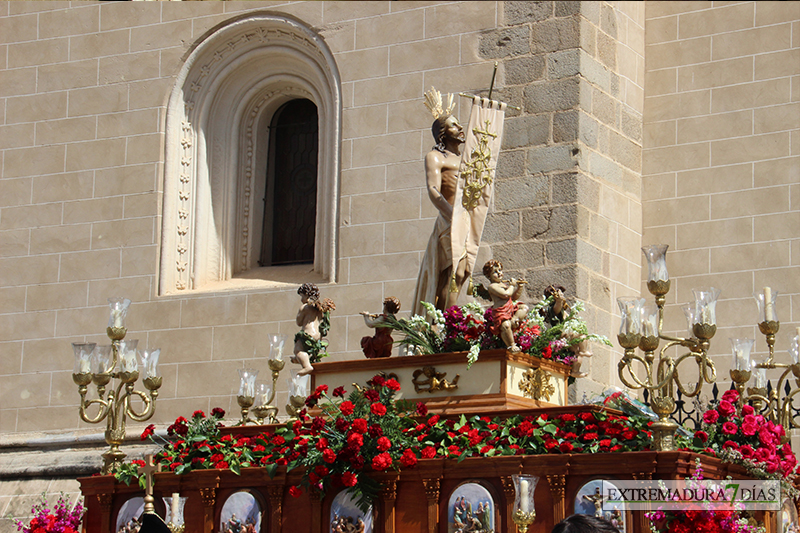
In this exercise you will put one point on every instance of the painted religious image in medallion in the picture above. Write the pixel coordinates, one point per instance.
(470, 510)
(240, 514)
(128, 516)
(346, 517)
(589, 501)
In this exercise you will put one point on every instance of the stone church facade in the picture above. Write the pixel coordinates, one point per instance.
(133, 145)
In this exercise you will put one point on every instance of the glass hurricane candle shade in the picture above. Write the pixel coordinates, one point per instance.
(705, 305)
(263, 392)
(765, 299)
(650, 321)
(174, 506)
(127, 355)
(794, 349)
(524, 487)
(760, 378)
(631, 311)
(102, 358)
(741, 353)
(656, 255)
(83, 357)
(149, 360)
(247, 382)
(119, 311)
(277, 343)
(299, 385)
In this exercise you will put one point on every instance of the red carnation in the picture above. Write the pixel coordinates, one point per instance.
(218, 412)
(589, 436)
(587, 417)
(377, 409)
(198, 413)
(384, 444)
(328, 455)
(566, 447)
(349, 479)
(429, 452)
(547, 352)
(360, 425)
(567, 417)
(629, 434)
(422, 409)
(392, 384)
(408, 459)
(433, 420)
(347, 408)
(295, 491)
(382, 461)
(338, 392)
(322, 444)
(148, 431)
(372, 395)
(321, 470)
(377, 381)
(322, 389)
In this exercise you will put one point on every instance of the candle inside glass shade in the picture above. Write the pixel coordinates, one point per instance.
(705, 302)
(101, 359)
(119, 310)
(741, 353)
(247, 382)
(149, 360)
(650, 321)
(263, 392)
(630, 314)
(766, 300)
(83, 357)
(127, 355)
(174, 505)
(761, 378)
(277, 343)
(656, 262)
(525, 486)
(299, 385)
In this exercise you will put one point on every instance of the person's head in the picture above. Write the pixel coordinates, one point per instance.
(493, 267)
(309, 290)
(391, 305)
(447, 128)
(582, 523)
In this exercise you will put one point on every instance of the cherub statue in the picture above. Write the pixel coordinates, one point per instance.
(380, 344)
(507, 314)
(558, 311)
(555, 314)
(434, 380)
(314, 319)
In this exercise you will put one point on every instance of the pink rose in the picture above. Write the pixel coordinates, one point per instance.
(731, 396)
(710, 417)
(729, 428)
(726, 408)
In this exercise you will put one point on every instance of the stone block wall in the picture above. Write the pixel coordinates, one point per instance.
(83, 135)
(721, 166)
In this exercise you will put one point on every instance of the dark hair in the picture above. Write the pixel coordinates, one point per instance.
(392, 304)
(310, 290)
(438, 130)
(490, 265)
(583, 523)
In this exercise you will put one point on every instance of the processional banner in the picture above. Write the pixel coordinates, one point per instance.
(476, 178)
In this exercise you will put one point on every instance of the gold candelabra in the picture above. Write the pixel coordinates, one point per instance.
(775, 404)
(102, 364)
(641, 328)
(258, 398)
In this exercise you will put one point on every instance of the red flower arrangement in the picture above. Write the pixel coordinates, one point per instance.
(371, 430)
(737, 434)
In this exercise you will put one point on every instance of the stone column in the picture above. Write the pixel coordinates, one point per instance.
(567, 206)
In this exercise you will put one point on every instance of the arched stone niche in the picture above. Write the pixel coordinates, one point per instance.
(218, 114)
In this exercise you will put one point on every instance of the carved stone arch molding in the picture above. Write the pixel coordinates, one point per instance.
(218, 114)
